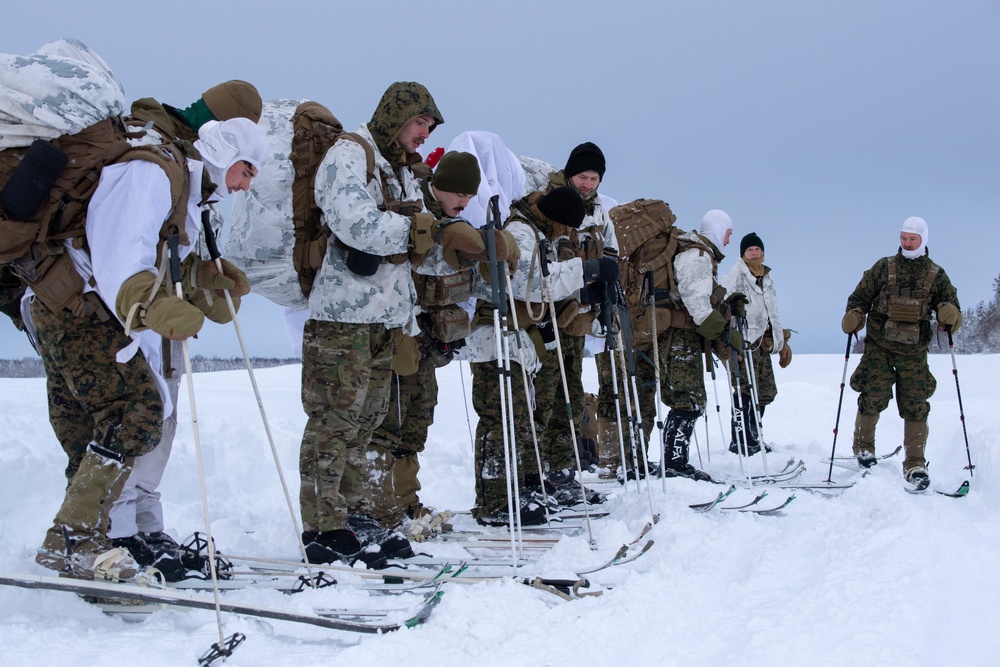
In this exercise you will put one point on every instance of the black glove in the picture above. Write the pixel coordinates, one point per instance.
(603, 270)
(738, 304)
(548, 333)
(593, 293)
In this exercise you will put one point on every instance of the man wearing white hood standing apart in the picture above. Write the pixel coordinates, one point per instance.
(682, 378)
(899, 294)
(110, 372)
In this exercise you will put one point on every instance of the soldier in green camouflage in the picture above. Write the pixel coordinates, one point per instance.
(899, 295)
(396, 444)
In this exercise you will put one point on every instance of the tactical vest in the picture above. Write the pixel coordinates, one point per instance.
(904, 307)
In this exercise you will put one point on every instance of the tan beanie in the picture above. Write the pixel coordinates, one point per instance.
(234, 99)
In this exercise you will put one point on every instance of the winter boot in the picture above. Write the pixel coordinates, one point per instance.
(381, 466)
(676, 441)
(587, 450)
(374, 538)
(608, 450)
(567, 490)
(864, 439)
(76, 543)
(914, 443)
(328, 546)
(405, 486)
(531, 512)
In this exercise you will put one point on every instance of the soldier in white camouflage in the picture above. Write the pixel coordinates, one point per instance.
(764, 337)
(362, 293)
(682, 370)
(899, 295)
(109, 378)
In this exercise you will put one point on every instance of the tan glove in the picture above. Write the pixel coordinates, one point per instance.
(785, 356)
(459, 235)
(713, 326)
(507, 248)
(422, 229)
(170, 316)
(207, 276)
(218, 310)
(854, 320)
(949, 316)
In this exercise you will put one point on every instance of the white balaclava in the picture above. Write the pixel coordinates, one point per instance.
(223, 144)
(915, 225)
(714, 226)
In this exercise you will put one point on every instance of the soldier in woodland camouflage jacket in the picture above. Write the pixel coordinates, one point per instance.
(899, 294)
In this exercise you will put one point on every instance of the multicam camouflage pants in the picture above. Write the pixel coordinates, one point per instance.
(879, 370)
(763, 375)
(551, 421)
(396, 443)
(490, 468)
(346, 376)
(93, 397)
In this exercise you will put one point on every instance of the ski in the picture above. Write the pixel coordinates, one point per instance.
(961, 492)
(749, 504)
(705, 507)
(623, 556)
(814, 486)
(770, 510)
(168, 597)
(855, 459)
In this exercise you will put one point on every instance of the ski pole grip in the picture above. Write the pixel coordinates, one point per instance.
(543, 257)
(210, 240)
(173, 242)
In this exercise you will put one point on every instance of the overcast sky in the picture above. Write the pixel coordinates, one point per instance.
(820, 126)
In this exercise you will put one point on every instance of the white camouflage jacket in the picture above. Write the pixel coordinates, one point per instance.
(763, 306)
(565, 279)
(350, 210)
(696, 272)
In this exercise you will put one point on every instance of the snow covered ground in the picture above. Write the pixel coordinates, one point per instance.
(868, 576)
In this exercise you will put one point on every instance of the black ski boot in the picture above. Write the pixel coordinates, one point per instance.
(531, 511)
(566, 489)
(745, 426)
(391, 543)
(676, 440)
(328, 546)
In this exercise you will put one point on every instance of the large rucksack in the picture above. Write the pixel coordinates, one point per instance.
(314, 130)
(649, 241)
(58, 132)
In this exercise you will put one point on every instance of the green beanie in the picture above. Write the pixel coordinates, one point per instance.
(457, 172)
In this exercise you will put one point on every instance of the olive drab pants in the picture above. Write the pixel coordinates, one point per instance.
(346, 377)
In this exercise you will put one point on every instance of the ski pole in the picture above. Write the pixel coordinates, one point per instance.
(651, 286)
(547, 295)
(840, 404)
(173, 242)
(213, 252)
(513, 516)
(961, 410)
(612, 338)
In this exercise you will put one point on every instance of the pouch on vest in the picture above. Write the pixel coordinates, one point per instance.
(449, 323)
(907, 333)
(443, 290)
(362, 263)
(905, 308)
(30, 183)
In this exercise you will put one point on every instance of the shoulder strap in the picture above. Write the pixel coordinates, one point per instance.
(173, 161)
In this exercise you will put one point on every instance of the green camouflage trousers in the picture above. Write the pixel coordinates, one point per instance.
(682, 373)
(345, 394)
(879, 370)
(91, 396)
(551, 421)
(490, 469)
(763, 372)
(396, 443)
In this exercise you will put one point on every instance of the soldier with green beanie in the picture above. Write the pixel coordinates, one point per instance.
(899, 295)
(397, 442)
